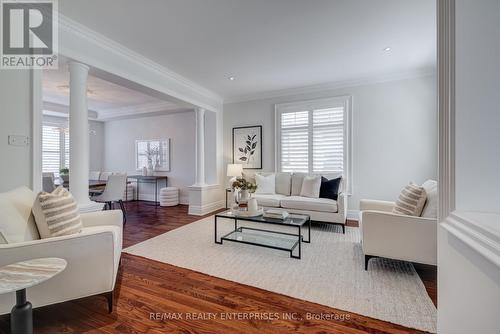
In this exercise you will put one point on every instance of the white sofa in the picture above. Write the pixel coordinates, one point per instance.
(394, 236)
(287, 197)
(93, 255)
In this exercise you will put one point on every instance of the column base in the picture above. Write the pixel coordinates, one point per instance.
(90, 206)
(204, 199)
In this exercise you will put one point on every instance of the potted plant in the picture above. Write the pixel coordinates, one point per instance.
(244, 189)
(64, 174)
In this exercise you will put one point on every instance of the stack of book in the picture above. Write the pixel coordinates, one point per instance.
(276, 214)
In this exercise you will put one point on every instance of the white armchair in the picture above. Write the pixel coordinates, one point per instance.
(93, 255)
(394, 236)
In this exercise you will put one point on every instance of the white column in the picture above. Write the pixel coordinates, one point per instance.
(79, 134)
(200, 146)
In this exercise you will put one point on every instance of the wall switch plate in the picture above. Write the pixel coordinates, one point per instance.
(18, 140)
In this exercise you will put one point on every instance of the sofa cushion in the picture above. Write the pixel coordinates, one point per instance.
(430, 207)
(311, 186)
(284, 183)
(273, 201)
(311, 204)
(17, 224)
(329, 188)
(265, 184)
(297, 179)
(411, 200)
(57, 213)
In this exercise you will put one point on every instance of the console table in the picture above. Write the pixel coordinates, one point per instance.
(20, 276)
(154, 179)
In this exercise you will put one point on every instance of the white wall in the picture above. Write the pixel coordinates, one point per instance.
(468, 283)
(15, 119)
(394, 134)
(119, 147)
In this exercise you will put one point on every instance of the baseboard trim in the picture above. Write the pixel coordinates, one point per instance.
(197, 210)
(353, 215)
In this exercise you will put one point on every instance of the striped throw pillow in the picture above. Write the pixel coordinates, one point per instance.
(411, 201)
(56, 213)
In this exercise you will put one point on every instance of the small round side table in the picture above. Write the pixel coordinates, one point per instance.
(20, 276)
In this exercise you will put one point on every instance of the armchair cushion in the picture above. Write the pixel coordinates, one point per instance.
(430, 208)
(411, 200)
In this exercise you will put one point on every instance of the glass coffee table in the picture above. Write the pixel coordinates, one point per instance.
(264, 236)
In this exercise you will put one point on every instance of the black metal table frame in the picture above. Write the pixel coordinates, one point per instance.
(150, 181)
(300, 237)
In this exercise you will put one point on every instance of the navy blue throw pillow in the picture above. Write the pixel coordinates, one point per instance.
(329, 188)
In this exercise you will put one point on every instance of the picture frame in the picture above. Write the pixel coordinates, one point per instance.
(161, 161)
(247, 146)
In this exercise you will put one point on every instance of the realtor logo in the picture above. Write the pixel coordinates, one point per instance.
(29, 36)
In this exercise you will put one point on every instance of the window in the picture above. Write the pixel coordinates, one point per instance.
(155, 151)
(313, 136)
(55, 148)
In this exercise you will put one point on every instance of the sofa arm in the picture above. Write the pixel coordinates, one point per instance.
(394, 236)
(102, 218)
(342, 205)
(371, 204)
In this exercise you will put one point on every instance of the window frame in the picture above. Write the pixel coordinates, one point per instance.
(63, 137)
(309, 105)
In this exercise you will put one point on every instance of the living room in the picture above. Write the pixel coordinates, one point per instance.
(236, 166)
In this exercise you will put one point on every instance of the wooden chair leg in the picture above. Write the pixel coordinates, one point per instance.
(109, 297)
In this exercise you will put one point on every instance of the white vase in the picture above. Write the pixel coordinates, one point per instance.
(253, 207)
(150, 168)
(144, 171)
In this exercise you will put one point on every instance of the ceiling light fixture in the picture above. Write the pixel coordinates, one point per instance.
(387, 48)
(231, 78)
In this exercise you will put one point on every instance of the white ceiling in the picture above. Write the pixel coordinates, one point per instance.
(109, 100)
(269, 44)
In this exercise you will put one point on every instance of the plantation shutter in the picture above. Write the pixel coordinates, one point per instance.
(311, 137)
(295, 141)
(51, 153)
(328, 140)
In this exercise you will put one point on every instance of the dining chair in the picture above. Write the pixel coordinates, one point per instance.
(48, 182)
(94, 175)
(113, 193)
(103, 176)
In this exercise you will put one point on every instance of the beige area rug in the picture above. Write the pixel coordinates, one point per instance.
(331, 271)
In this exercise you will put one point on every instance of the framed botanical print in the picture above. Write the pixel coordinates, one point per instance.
(247, 146)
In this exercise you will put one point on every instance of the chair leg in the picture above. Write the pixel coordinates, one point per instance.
(343, 229)
(122, 206)
(109, 297)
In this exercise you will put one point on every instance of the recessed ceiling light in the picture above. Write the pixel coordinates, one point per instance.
(231, 78)
(387, 48)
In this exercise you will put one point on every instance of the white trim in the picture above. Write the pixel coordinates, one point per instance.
(347, 102)
(109, 114)
(353, 215)
(80, 43)
(36, 129)
(470, 228)
(331, 86)
(446, 106)
(196, 187)
(197, 210)
(63, 110)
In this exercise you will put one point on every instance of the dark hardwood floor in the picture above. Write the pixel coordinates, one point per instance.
(153, 297)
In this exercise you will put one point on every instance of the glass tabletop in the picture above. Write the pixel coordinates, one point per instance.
(292, 219)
